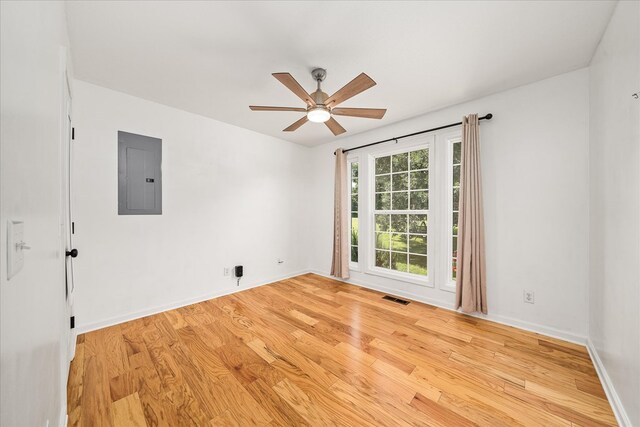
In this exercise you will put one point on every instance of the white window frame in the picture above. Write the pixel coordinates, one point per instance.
(439, 241)
(447, 282)
(417, 143)
(355, 266)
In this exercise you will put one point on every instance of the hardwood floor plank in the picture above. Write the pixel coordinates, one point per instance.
(109, 344)
(377, 410)
(175, 318)
(246, 366)
(95, 401)
(163, 362)
(444, 330)
(302, 404)
(391, 372)
(128, 412)
(541, 367)
(341, 412)
(187, 407)
(275, 406)
(76, 371)
(595, 408)
(226, 419)
(572, 415)
(301, 316)
(312, 351)
(592, 387)
(454, 384)
(295, 289)
(440, 415)
(196, 315)
(134, 381)
(289, 361)
(262, 350)
(394, 410)
(485, 365)
(358, 374)
(216, 388)
(354, 353)
(479, 412)
(383, 352)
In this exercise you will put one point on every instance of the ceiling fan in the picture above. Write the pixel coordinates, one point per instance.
(320, 106)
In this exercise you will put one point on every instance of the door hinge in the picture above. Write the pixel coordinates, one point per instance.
(73, 133)
(73, 321)
(73, 228)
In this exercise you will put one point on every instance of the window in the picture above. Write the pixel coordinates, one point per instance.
(353, 167)
(454, 204)
(401, 212)
(404, 210)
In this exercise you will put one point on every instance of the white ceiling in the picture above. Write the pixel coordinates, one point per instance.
(216, 58)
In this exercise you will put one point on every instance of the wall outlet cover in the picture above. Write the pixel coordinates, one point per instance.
(529, 297)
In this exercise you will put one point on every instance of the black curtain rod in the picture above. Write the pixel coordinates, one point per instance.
(486, 117)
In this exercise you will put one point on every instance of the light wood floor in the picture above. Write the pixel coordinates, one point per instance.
(313, 351)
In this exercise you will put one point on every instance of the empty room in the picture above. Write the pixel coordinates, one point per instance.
(320, 213)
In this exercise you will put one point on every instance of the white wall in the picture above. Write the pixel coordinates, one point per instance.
(34, 323)
(230, 196)
(535, 177)
(614, 147)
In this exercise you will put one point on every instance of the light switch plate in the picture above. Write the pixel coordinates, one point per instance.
(15, 254)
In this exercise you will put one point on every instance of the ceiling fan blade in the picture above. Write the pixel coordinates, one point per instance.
(296, 125)
(261, 108)
(367, 113)
(335, 126)
(351, 89)
(293, 85)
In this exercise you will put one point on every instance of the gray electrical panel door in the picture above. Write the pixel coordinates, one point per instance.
(139, 174)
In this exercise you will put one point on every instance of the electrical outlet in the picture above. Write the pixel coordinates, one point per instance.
(529, 297)
(227, 272)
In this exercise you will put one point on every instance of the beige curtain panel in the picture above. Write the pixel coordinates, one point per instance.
(340, 261)
(471, 281)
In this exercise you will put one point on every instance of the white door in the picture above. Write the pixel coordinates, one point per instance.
(67, 223)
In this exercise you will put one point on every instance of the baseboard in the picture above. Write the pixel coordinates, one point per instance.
(535, 327)
(81, 329)
(504, 320)
(614, 400)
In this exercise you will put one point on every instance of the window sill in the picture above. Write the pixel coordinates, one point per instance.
(400, 276)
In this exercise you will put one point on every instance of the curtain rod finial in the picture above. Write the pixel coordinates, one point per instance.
(488, 116)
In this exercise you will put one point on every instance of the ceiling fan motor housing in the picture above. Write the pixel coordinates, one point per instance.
(319, 97)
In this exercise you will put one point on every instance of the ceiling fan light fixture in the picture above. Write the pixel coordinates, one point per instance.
(318, 114)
